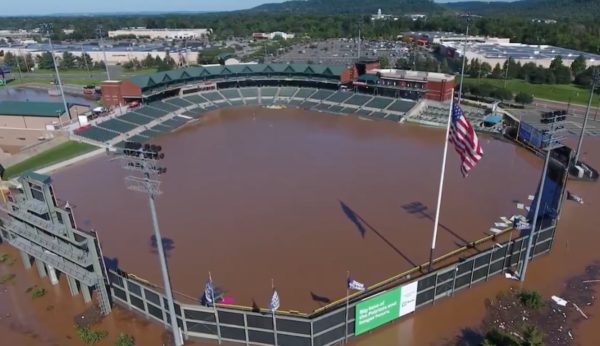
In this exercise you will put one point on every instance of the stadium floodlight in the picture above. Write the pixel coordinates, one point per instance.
(100, 34)
(555, 135)
(144, 159)
(47, 29)
(595, 82)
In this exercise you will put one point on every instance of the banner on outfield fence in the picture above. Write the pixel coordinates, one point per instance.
(385, 307)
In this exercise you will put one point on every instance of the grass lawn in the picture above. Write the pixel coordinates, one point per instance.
(138, 72)
(49, 157)
(556, 92)
(75, 81)
(78, 71)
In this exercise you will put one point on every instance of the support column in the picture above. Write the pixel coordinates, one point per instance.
(72, 285)
(52, 275)
(41, 268)
(85, 291)
(26, 259)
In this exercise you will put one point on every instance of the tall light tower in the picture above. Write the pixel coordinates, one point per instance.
(595, 82)
(100, 34)
(144, 159)
(556, 127)
(47, 29)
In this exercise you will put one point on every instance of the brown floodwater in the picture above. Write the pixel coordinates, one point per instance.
(223, 173)
(255, 194)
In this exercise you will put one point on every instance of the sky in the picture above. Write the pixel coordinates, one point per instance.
(44, 7)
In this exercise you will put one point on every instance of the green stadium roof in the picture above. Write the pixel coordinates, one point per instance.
(28, 108)
(201, 72)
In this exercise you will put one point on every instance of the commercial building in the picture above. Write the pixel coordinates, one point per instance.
(38, 115)
(408, 84)
(179, 34)
(496, 50)
(381, 16)
(262, 36)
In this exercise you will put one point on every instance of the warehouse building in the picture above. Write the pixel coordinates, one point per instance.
(179, 34)
(38, 115)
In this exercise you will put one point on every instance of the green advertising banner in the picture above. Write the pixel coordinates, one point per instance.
(376, 311)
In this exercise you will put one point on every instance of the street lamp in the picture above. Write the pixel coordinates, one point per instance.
(145, 159)
(595, 81)
(556, 128)
(47, 29)
(100, 34)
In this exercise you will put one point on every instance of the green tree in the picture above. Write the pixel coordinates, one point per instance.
(84, 61)
(148, 61)
(556, 62)
(68, 61)
(444, 68)
(125, 340)
(484, 69)
(531, 299)
(474, 68)
(500, 338)
(384, 62)
(578, 65)
(44, 61)
(532, 336)
(497, 72)
(523, 98)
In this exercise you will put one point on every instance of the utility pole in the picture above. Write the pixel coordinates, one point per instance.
(100, 33)
(47, 29)
(595, 81)
(144, 159)
(555, 120)
(506, 72)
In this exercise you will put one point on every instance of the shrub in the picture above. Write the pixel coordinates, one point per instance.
(89, 336)
(125, 340)
(531, 299)
(38, 292)
(523, 98)
(499, 338)
(6, 278)
(532, 336)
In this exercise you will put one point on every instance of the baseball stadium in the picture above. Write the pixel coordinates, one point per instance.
(290, 176)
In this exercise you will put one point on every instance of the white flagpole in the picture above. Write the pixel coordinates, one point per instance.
(273, 311)
(441, 187)
(347, 306)
(212, 293)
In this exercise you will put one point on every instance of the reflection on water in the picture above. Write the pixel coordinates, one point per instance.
(28, 94)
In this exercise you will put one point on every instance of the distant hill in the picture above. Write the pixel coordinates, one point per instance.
(555, 9)
(366, 7)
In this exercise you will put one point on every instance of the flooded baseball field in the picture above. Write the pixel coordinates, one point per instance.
(253, 195)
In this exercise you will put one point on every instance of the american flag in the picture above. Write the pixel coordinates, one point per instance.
(464, 139)
(274, 304)
(209, 291)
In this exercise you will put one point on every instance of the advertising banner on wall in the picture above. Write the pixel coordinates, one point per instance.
(385, 307)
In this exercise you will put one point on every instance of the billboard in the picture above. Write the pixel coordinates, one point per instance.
(384, 308)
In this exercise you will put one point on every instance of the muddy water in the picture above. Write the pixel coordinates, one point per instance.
(574, 248)
(576, 245)
(297, 197)
(28, 94)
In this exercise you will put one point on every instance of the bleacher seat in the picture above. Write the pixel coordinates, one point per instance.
(179, 102)
(135, 118)
(164, 106)
(249, 92)
(379, 115)
(393, 117)
(116, 126)
(379, 102)
(195, 99)
(230, 94)
(268, 92)
(363, 112)
(401, 106)
(213, 96)
(335, 109)
(358, 100)
(321, 94)
(339, 96)
(151, 112)
(305, 92)
(287, 91)
(98, 134)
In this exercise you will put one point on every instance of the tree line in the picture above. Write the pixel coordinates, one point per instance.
(575, 33)
(44, 61)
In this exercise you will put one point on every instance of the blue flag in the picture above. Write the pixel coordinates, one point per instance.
(274, 304)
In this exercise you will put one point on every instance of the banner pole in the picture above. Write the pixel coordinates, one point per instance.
(347, 306)
(273, 311)
(441, 187)
(215, 307)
